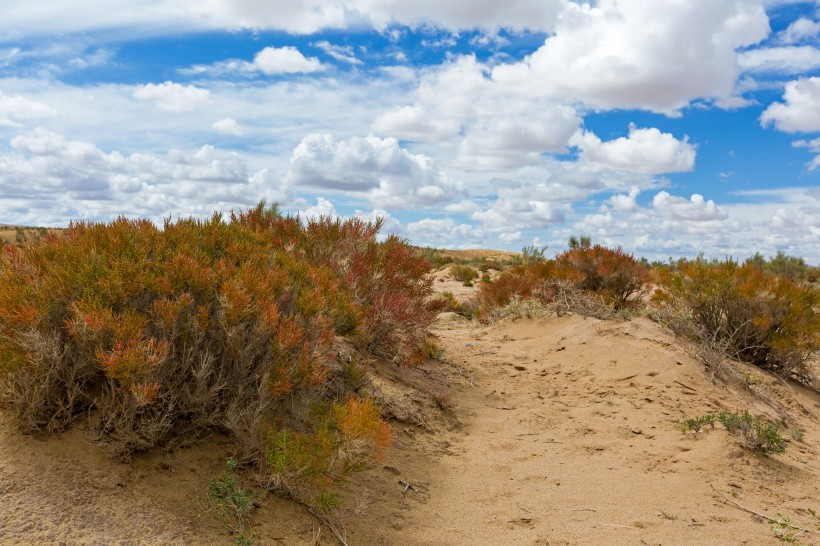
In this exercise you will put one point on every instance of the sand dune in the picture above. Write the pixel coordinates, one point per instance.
(563, 430)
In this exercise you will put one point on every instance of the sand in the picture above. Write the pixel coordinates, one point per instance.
(555, 431)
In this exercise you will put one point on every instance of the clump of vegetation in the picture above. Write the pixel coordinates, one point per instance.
(755, 433)
(464, 273)
(233, 324)
(609, 277)
(760, 318)
(698, 424)
(791, 267)
(234, 504)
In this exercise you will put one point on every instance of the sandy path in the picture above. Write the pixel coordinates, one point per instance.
(570, 437)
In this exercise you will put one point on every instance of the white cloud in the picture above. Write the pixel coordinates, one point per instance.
(340, 53)
(635, 54)
(442, 231)
(800, 30)
(228, 126)
(47, 175)
(374, 168)
(522, 208)
(17, 108)
(285, 60)
(296, 16)
(270, 61)
(625, 203)
(484, 125)
(322, 209)
(800, 113)
(814, 147)
(173, 97)
(696, 209)
(781, 60)
(645, 151)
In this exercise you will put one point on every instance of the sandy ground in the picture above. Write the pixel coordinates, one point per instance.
(554, 431)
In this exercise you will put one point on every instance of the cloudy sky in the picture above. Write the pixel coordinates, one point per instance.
(670, 127)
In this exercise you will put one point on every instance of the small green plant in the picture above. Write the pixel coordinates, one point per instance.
(786, 531)
(698, 424)
(533, 253)
(234, 504)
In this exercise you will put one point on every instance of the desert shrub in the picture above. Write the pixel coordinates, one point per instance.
(154, 333)
(763, 319)
(345, 436)
(463, 273)
(755, 433)
(520, 282)
(611, 273)
(585, 279)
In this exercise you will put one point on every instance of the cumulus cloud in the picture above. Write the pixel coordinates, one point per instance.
(625, 203)
(633, 54)
(270, 61)
(228, 126)
(285, 60)
(647, 151)
(802, 29)
(70, 178)
(522, 208)
(485, 125)
(444, 230)
(375, 168)
(800, 113)
(173, 97)
(17, 108)
(696, 209)
(295, 16)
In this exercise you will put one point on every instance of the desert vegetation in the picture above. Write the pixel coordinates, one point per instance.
(264, 327)
(256, 325)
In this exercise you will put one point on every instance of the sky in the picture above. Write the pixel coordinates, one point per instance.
(670, 128)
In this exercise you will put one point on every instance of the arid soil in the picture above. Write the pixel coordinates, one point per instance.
(560, 430)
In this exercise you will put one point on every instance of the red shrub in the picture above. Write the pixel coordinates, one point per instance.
(201, 323)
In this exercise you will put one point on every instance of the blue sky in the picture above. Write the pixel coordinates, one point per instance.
(669, 128)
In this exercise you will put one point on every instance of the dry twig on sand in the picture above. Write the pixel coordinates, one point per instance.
(758, 514)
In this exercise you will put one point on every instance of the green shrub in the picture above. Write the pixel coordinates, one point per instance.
(697, 424)
(233, 503)
(755, 433)
(762, 319)
(463, 273)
